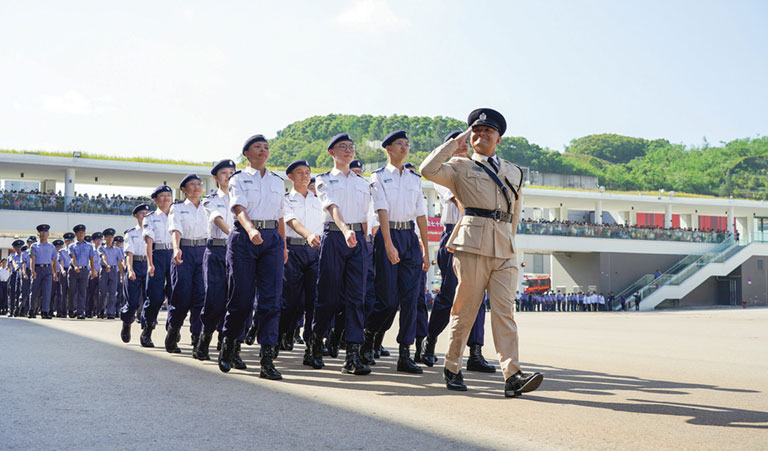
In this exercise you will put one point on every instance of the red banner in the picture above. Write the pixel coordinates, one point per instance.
(434, 229)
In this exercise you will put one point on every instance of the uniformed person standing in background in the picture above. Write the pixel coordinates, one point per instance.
(136, 271)
(45, 271)
(157, 240)
(16, 266)
(26, 283)
(59, 302)
(65, 261)
(483, 244)
(94, 285)
(82, 270)
(111, 273)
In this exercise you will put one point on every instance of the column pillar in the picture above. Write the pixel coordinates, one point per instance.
(562, 213)
(668, 216)
(730, 220)
(599, 212)
(631, 217)
(69, 186)
(695, 220)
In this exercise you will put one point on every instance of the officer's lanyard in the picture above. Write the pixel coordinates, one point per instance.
(499, 184)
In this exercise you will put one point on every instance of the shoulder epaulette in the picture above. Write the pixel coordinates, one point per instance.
(277, 176)
(127, 231)
(379, 170)
(234, 174)
(324, 174)
(178, 202)
(415, 173)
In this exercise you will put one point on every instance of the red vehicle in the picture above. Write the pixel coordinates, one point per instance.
(537, 283)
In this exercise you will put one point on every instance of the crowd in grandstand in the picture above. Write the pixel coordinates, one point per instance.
(621, 231)
(37, 200)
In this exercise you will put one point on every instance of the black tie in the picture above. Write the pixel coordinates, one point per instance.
(493, 164)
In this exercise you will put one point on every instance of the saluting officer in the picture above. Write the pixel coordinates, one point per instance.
(220, 223)
(111, 272)
(303, 215)
(188, 225)
(136, 265)
(157, 240)
(483, 244)
(256, 256)
(82, 254)
(399, 201)
(45, 271)
(345, 198)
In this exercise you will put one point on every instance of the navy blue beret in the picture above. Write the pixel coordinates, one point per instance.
(489, 117)
(452, 135)
(312, 180)
(43, 228)
(79, 228)
(32, 239)
(141, 207)
(87, 239)
(355, 164)
(339, 138)
(17, 243)
(69, 236)
(253, 139)
(295, 165)
(109, 232)
(119, 239)
(58, 242)
(24, 248)
(161, 189)
(187, 179)
(223, 164)
(97, 236)
(390, 138)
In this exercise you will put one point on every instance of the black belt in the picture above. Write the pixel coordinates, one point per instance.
(78, 267)
(193, 243)
(356, 227)
(496, 215)
(261, 224)
(42, 265)
(217, 242)
(139, 258)
(405, 225)
(298, 241)
(156, 246)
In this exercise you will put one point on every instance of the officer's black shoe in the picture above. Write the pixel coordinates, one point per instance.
(178, 336)
(83, 317)
(308, 357)
(110, 316)
(325, 347)
(286, 341)
(201, 350)
(405, 364)
(250, 337)
(476, 361)
(72, 314)
(366, 350)
(170, 341)
(146, 336)
(454, 381)
(237, 361)
(333, 343)
(297, 337)
(520, 383)
(219, 341)
(353, 364)
(377, 341)
(125, 333)
(316, 346)
(268, 370)
(194, 340)
(428, 355)
(227, 354)
(419, 349)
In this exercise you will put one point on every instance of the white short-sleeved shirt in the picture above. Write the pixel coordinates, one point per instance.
(217, 206)
(351, 193)
(307, 210)
(191, 221)
(450, 211)
(262, 197)
(134, 242)
(399, 193)
(155, 226)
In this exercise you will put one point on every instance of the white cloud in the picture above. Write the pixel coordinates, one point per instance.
(371, 15)
(73, 102)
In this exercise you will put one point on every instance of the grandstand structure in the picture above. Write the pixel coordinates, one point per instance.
(585, 240)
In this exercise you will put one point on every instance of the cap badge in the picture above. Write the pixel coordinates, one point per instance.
(482, 116)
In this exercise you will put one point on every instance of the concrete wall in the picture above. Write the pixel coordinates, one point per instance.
(706, 294)
(754, 281)
(563, 180)
(618, 271)
(576, 269)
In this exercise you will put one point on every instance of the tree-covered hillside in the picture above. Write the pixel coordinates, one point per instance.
(735, 168)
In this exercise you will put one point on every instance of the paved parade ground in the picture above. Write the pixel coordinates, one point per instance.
(694, 379)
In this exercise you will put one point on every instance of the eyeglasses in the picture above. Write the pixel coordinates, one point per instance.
(346, 147)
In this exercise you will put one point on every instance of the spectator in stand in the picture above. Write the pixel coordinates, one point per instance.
(36, 200)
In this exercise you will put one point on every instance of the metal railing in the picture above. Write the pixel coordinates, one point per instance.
(619, 232)
(78, 204)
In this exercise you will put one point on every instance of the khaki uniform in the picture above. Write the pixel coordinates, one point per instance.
(484, 252)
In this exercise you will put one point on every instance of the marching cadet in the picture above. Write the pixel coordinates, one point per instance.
(188, 225)
(58, 302)
(45, 271)
(483, 243)
(26, 283)
(220, 223)
(83, 255)
(158, 245)
(120, 298)
(256, 256)
(136, 266)
(398, 199)
(303, 215)
(441, 308)
(94, 285)
(17, 270)
(112, 270)
(345, 198)
(65, 261)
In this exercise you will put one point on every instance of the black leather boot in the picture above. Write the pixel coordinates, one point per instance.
(520, 383)
(366, 350)
(146, 336)
(268, 370)
(378, 340)
(125, 333)
(237, 361)
(297, 336)
(476, 361)
(353, 364)
(333, 343)
(428, 356)
(194, 340)
(250, 337)
(227, 354)
(201, 350)
(171, 345)
(219, 340)
(419, 349)
(316, 345)
(454, 381)
(286, 341)
(308, 357)
(405, 364)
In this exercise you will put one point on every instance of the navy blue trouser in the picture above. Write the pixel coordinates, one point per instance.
(63, 299)
(422, 316)
(94, 300)
(108, 289)
(4, 304)
(13, 293)
(158, 286)
(187, 290)
(370, 279)
(252, 269)
(341, 279)
(135, 292)
(441, 309)
(397, 284)
(215, 284)
(78, 284)
(299, 287)
(26, 288)
(41, 290)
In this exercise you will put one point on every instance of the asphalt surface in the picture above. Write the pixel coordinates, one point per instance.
(660, 380)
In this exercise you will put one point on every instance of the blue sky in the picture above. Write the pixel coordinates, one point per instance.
(192, 80)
